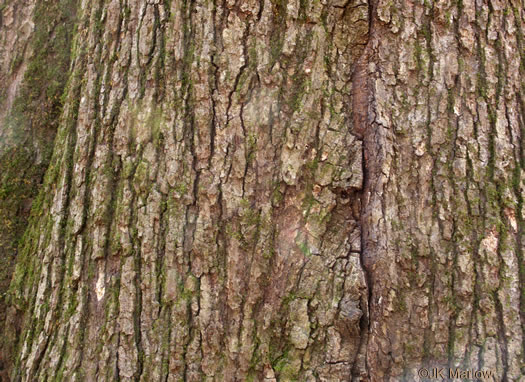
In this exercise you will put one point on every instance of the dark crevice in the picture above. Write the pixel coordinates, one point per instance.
(362, 129)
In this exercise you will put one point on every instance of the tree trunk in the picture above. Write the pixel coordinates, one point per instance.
(35, 41)
(271, 190)
(443, 231)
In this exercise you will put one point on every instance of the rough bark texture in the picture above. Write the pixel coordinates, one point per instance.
(266, 190)
(443, 202)
(35, 44)
(200, 215)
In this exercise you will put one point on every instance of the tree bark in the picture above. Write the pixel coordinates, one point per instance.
(35, 41)
(443, 202)
(273, 190)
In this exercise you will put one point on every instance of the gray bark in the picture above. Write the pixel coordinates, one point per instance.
(276, 191)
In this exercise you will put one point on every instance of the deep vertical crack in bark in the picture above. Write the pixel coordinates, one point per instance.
(361, 128)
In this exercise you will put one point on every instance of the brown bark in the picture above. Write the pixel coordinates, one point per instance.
(280, 190)
(201, 217)
(443, 202)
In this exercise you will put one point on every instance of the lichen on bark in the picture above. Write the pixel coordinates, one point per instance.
(443, 208)
(35, 42)
(272, 190)
(202, 197)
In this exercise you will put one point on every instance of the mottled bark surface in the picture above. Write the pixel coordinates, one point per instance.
(200, 216)
(443, 204)
(35, 44)
(276, 191)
